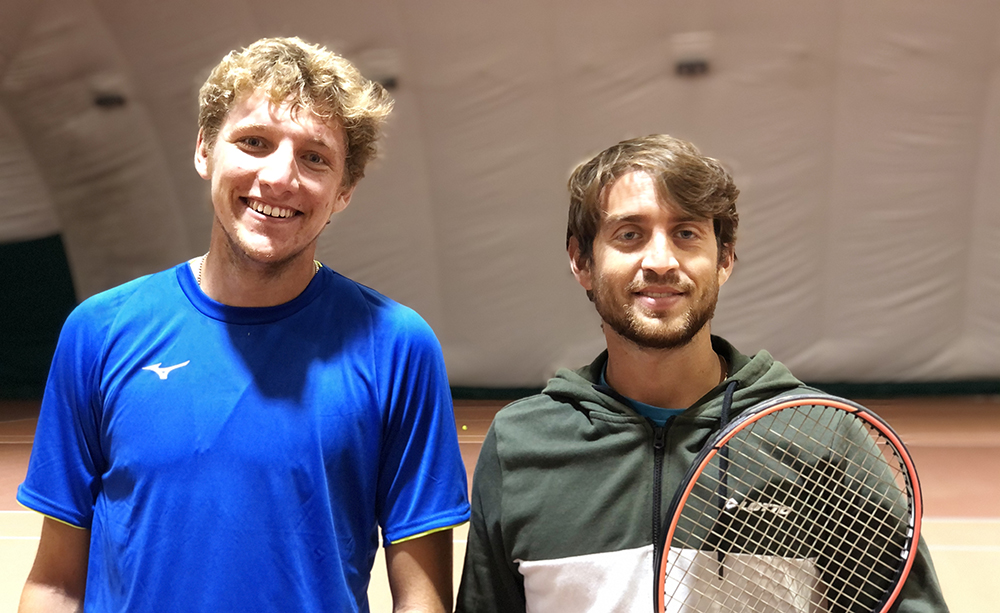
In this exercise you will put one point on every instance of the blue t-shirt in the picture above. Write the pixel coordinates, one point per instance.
(231, 459)
(657, 415)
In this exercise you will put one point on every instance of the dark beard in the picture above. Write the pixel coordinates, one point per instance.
(624, 321)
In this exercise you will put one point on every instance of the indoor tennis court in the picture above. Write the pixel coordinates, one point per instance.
(955, 442)
(863, 137)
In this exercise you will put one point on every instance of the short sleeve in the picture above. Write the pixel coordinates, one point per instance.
(63, 477)
(422, 484)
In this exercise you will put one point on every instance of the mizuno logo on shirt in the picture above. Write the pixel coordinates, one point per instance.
(166, 370)
(752, 506)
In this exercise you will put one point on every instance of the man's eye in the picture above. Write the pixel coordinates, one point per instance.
(315, 158)
(629, 235)
(253, 142)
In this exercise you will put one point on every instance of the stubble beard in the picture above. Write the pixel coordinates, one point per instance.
(241, 249)
(626, 318)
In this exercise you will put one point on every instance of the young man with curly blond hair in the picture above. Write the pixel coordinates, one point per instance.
(231, 434)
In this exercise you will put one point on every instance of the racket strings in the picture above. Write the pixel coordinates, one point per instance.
(816, 492)
(810, 503)
(762, 504)
(862, 472)
(802, 585)
(797, 547)
(759, 528)
(867, 475)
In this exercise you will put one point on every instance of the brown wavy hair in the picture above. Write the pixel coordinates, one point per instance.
(696, 184)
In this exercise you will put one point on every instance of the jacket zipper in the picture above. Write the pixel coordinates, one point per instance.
(659, 433)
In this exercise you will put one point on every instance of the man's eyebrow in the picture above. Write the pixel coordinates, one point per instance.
(688, 218)
(639, 217)
(321, 143)
(631, 218)
(240, 127)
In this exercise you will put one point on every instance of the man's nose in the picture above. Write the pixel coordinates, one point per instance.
(659, 255)
(279, 171)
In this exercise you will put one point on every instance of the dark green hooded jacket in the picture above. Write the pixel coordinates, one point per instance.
(572, 485)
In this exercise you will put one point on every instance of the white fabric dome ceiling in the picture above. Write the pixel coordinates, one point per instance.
(863, 135)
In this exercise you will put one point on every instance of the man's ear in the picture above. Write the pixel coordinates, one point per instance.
(579, 265)
(343, 199)
(726, 263)
(202, 163)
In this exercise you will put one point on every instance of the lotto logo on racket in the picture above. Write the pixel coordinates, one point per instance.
(752, 506)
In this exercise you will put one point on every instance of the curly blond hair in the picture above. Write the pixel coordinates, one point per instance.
(307, 77)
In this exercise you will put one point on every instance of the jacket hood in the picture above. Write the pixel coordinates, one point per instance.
(758, 378)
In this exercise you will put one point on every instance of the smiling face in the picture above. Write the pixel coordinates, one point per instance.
(277, 177)
(655, 273)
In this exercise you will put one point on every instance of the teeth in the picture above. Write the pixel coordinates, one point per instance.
(270, 211)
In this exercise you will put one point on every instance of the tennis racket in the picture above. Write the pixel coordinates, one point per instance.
(803, 504)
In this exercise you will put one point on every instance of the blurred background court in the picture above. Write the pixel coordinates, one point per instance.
(955, 442)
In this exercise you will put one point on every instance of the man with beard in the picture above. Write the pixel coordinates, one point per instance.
(572, 484)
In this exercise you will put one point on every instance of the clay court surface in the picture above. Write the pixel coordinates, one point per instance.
(955, 443)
